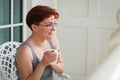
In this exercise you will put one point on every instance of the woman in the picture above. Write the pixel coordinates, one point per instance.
(34, 56)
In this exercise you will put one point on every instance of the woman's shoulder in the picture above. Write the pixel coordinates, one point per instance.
(23, 47)
(23, 50)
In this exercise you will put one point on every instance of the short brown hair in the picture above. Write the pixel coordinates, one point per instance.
(39, 13)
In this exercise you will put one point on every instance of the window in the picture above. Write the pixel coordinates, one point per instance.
(11, 20)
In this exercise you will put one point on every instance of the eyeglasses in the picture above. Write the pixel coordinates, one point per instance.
(49, 25)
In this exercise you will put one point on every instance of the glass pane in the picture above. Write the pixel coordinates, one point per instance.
(17, 14)
(5, 35)
(5, 12)
(17, 34)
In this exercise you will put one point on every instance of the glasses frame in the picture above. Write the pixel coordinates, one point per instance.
(48, 25)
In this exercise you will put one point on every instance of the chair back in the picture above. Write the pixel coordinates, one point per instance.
(7, 60)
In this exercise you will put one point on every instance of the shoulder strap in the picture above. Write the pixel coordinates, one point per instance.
(30, 46)
(36, 60)
(51, 44)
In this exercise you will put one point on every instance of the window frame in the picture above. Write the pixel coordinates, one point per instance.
(12, 24)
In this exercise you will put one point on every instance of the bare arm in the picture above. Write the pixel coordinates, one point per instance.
(59, 67)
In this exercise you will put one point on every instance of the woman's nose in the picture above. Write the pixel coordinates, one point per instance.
(53, 28)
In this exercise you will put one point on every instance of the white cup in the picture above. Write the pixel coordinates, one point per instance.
(56, 52)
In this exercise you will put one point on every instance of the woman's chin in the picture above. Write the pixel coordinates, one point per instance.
(50, 36)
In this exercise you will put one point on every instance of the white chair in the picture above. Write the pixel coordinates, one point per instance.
(7, 60)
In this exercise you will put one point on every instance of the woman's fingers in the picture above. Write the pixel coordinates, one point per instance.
(49, 56)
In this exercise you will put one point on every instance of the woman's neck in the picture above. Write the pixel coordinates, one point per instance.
(37, 41)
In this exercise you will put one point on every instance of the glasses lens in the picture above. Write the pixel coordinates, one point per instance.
(52, 25)
(55, 24)
(49, 25)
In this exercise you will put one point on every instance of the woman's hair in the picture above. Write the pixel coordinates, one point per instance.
(118, 16)
(39, 13)
(114, 40)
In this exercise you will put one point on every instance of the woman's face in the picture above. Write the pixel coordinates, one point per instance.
(47, 28)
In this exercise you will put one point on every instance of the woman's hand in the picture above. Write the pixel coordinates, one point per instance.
(48, 57)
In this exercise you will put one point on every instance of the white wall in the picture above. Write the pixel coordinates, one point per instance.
(50, 3)
(84, 30)
(110, 68)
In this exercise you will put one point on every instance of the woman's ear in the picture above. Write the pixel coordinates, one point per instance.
(34, 27)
